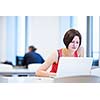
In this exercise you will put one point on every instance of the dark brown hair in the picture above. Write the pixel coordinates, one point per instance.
(69, 35)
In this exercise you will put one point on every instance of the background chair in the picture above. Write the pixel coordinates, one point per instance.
(4, 67)
(34, 66)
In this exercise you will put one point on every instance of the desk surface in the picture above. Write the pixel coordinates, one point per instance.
(74, 79)
(78, 79)
(18, 71)
(26, 80)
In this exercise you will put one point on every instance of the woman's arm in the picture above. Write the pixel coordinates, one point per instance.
(42, 71)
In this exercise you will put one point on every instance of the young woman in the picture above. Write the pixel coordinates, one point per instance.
(72, 41)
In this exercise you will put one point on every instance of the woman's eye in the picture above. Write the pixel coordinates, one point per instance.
(72, 41)
(77, 42)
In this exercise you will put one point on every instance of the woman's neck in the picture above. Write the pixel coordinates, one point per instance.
(67, 52)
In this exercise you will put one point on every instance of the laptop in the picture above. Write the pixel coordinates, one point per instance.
(74, 66)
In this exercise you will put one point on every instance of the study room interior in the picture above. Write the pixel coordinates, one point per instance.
(46, 33)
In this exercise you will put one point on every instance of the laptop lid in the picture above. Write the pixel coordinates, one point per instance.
(73, 66)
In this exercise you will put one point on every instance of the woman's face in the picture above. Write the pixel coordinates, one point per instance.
(73, 46)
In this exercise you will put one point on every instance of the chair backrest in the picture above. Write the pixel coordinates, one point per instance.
(4, 67)
(34, 66)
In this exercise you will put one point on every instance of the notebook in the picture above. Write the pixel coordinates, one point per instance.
(74, 66)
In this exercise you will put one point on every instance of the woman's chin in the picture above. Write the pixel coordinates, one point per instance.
(73, 50)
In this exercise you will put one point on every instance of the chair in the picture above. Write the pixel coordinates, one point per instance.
(95, 62)
(4, 67)
(34, 66)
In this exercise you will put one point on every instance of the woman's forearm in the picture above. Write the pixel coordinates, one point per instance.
(45, 74)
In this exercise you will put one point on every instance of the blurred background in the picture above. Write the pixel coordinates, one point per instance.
(46, 34)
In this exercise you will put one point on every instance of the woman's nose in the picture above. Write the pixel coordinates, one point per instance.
(74, 44)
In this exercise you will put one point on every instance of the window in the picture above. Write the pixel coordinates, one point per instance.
(96, 37)
(20, 35)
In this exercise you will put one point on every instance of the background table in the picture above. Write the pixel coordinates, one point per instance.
(17, 72)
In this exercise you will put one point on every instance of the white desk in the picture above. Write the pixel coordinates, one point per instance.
(78, 79)
(74, 79)
(96, 71)
(17, 72)
(33, 79)
(26, 80)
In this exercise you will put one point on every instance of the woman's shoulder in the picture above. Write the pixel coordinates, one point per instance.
(55, 53)
(61, 49)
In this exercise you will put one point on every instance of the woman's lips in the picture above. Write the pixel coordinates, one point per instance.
(73, 47)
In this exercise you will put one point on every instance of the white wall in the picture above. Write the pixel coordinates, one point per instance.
(47, 32)
(43, 33)
(2, 38)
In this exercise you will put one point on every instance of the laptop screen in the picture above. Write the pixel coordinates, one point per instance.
(73, 66)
